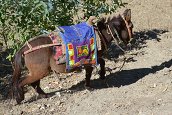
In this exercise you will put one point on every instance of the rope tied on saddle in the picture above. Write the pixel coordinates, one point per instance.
(31, 49)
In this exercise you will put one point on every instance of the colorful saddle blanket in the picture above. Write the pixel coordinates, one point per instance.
(80, 42)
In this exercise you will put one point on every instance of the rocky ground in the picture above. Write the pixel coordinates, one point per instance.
(143, 87)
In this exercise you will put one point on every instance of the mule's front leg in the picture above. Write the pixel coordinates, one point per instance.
(102, 72)
(88, 76)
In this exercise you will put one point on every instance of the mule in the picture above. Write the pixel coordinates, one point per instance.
(40, 62)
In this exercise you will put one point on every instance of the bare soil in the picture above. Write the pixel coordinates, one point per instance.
(142, 87)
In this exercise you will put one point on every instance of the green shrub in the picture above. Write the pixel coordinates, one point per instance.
(22, 19)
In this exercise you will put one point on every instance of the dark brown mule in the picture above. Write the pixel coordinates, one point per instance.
(40, 62)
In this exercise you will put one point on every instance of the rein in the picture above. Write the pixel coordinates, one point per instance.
(115, 39)
(116, 42)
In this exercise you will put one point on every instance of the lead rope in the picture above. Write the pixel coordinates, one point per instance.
(118, 45)
(115, 39)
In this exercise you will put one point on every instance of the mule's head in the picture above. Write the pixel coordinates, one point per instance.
(121, 26)
(127, 26)
(124, 26)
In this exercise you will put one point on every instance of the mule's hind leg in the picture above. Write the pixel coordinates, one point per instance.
(102, 72)
(36, 86)
(18, 93)
(32, 78)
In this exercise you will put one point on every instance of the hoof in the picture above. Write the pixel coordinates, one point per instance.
(105, 82)
(19, 94)
(90, 88)
(19, 100)
(102, 75)
(44, 95)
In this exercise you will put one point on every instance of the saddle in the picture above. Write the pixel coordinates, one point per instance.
(78, 45)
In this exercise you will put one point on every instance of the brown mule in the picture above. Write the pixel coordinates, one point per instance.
(40, 62)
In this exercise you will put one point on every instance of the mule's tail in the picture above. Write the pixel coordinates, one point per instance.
(17, 66)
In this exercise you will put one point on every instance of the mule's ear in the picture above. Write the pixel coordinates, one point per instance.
(127, 14)
(92, 20)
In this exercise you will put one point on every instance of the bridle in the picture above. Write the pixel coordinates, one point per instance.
(119, 39)
(128, 27)
(117, 34)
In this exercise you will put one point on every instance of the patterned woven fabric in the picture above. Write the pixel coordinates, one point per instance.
(80, 44)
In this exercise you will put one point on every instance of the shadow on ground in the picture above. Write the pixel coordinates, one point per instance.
(124, 77)
(118, 79)
(142, 36)
(138, 42)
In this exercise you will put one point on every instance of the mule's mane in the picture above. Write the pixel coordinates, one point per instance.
(108, 18)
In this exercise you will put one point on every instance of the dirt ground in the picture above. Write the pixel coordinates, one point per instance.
(143, 87)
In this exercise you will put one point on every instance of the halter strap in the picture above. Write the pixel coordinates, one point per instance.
(127, 25)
